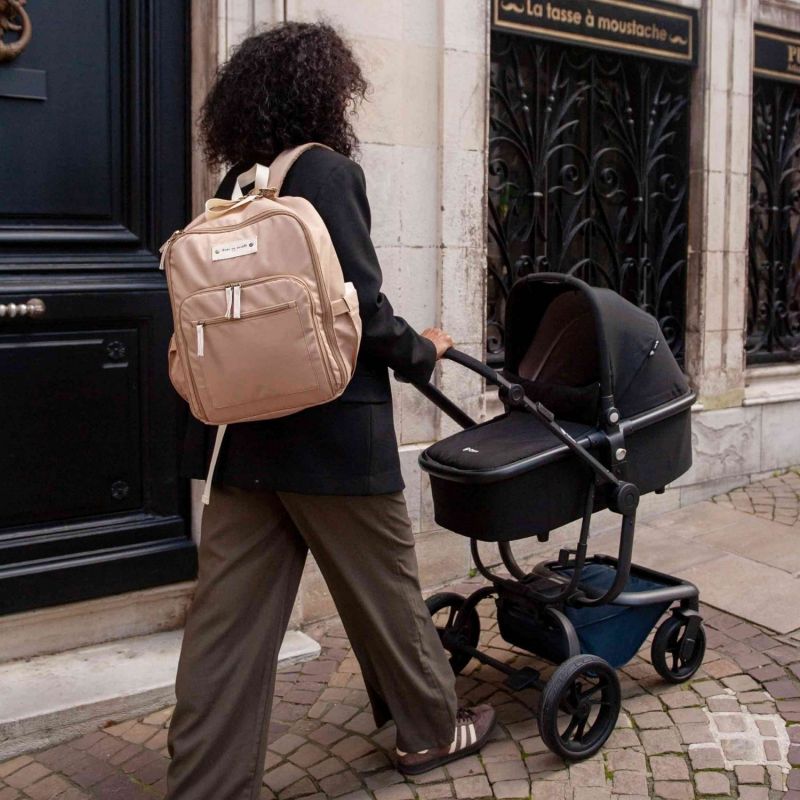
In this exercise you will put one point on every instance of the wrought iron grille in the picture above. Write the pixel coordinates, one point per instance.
(588, 175)
(773, 307)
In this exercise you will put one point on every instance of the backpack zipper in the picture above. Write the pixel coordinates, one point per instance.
(201, 324)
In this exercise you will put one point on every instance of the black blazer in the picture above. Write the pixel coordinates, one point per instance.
(347, 446)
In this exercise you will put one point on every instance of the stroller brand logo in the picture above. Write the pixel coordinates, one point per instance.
(241, 247)
(470, 450)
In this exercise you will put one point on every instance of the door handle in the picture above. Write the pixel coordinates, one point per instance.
(33, 308)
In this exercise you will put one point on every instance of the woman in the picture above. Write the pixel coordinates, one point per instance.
(326, 479)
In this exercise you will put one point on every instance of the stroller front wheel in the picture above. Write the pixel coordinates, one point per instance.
(579, 707)
(674, 658)
(452, 628)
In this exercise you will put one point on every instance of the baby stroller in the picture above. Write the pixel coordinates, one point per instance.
(597, 413)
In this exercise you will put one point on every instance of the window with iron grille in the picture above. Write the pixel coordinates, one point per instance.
(588, 175)
(773, 306)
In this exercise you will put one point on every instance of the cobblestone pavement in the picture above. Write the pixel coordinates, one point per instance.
(776, 498)
(732, 732)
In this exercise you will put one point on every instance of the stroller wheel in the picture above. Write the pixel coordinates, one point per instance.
(452, 629)
(668, 652)
(579, 707)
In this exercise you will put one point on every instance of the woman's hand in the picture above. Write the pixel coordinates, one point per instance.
(442, 341)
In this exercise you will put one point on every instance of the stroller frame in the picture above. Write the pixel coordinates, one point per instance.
(546, 590)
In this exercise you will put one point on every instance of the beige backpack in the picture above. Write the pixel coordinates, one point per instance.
(265, 325)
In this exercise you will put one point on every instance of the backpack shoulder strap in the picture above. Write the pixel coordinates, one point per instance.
(283, 163)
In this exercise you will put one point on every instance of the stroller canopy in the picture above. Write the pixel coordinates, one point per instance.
(562, 332)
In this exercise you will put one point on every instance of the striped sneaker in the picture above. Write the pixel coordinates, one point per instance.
(473, 726)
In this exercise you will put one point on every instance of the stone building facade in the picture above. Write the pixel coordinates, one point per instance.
(426, 132)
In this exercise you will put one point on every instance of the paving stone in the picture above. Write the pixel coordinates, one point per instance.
(777, 778)
(750, 773)
(652, 719)
(722, 668)
(303, 788)
(340, 783)
(500, 750)
(627, 760)
(741, 749)
(435, 791)
(591, 793)
(8, 767)
(588, 773)
(27, 775)
(499, 771)
(48, 788)
(470, 765)
(695, 733)
(723, 703)
(729, 723)
(622, 738)
(706, 757)
(771, 750)
(713, 783)
(740, 683)
(661, 741)
(680, 699)
(400, 792)
(472, 787)
(682, 716)
(283, 776)
(753, 793)
(512, 789)
(352, 748)
(629, 782)
(669, 768)
(287, 743)
(548, 790)
(673, 790)
(545, 762)
(641, 704)
(707, 688)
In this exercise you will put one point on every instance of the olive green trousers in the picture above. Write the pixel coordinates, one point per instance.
(252, 551)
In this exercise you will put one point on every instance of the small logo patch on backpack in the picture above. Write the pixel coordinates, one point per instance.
(241, 247)
(470, 450)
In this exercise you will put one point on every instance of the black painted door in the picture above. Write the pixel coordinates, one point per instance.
(93, 177)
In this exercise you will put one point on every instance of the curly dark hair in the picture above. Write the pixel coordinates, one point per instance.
(294, 83)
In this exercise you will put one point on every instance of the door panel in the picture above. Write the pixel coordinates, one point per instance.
(92, 179)
(82, 456)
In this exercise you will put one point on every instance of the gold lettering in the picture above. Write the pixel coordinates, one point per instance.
(589, 19)
(793, 55)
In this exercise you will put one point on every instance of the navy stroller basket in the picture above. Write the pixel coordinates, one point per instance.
(597, 412)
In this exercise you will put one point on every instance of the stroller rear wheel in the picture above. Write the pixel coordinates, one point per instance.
(579, 707)
(675, 658)
(453, 628)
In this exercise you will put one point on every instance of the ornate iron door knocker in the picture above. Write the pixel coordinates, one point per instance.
(13, 17)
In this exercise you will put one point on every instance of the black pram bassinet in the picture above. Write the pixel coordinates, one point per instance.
(602, 367)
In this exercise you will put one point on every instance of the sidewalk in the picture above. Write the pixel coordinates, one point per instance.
(734, 731)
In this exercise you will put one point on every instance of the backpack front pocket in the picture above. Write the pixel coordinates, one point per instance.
(253, 348)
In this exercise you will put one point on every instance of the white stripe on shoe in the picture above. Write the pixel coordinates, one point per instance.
(465, 736)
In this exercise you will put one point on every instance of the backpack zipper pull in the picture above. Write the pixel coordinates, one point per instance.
(164, 249)
(200, 339)
(237, 301)
(228, 301)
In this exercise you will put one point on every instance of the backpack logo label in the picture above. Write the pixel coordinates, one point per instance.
(469, 450)
(240, 247)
